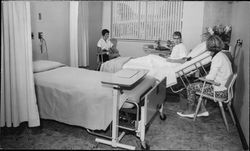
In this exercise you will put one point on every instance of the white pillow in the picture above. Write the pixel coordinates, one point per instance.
(44, 65)
(199, 49)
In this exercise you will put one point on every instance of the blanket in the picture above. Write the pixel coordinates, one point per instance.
(158, 67)
(114, 65)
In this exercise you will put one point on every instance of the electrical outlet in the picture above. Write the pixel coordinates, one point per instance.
(40, 35)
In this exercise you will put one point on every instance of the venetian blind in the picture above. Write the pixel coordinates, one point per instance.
(146, 20)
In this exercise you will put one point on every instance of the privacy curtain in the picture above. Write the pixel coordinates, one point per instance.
(83, 41)
(79, 49)
(18, 101)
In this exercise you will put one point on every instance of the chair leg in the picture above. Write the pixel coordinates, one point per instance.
(197, 108)
(223, 115)
(231, 113)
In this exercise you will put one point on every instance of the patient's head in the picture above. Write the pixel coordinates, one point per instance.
(214, 44)
(177, 37)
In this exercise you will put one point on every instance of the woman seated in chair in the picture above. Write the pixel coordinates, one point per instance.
(220, 71)
(103, 46)
(107, 47)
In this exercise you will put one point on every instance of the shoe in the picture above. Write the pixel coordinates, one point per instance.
(186, 115)
(203, 114)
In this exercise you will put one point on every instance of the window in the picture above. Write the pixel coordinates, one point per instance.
(146, 20)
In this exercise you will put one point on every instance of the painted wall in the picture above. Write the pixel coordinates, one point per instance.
(217, 12)
(192, 23)
(192, 27)
(106, 15)
(240, 23)
(54, 24)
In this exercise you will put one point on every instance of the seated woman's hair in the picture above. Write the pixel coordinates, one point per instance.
(177, 33)
(104, 31)
(214, 44)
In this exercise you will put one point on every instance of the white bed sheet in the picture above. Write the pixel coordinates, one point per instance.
(75, 96)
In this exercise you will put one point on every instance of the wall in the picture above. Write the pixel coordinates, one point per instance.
(106, 15)
(192, 27)
(240, 23)
(192, 23)
(55, 28)
(217, 12)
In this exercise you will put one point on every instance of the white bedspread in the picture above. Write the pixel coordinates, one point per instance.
(75, 96)
(158, 67)
(114, 65)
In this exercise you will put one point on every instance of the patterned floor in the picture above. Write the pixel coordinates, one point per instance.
(175, 133)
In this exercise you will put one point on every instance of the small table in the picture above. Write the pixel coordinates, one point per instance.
(120, 80)
(151, 49)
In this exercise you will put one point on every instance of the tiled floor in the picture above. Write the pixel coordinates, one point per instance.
(175, 133)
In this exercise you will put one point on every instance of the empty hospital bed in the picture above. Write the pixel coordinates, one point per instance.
(78, 97)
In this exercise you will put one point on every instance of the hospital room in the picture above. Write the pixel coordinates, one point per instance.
(125, 75)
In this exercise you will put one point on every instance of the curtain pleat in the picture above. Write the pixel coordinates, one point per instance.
(73, 21)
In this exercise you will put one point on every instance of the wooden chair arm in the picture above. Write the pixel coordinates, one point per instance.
(209, 81)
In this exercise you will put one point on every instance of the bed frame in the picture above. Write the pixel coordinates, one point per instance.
(196, 67)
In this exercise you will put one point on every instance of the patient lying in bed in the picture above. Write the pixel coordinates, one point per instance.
(158, 66)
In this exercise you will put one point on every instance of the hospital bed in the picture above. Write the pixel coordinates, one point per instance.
(81, 97)
(200, 58)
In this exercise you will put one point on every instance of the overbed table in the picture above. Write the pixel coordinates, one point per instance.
(121, 80)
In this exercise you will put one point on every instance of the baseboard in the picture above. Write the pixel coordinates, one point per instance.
(242, 136)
